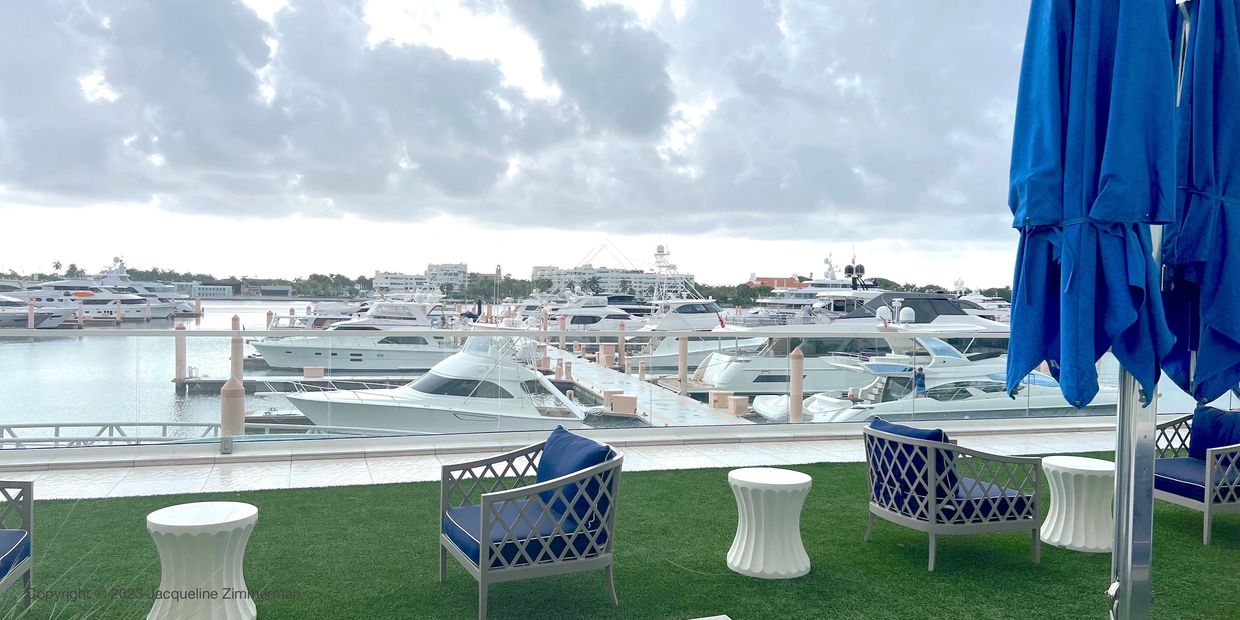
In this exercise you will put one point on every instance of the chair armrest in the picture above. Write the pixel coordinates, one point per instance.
(1223, 474)
(1172, 437)
(1022, 474)
(17, 505)
(464, 483)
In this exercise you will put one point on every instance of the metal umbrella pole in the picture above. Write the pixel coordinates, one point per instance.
(1131, 595)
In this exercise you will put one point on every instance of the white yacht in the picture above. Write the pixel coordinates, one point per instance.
(704, 315)
(369, 349)
(95, 302)
(793, 299)
(592, 314)
(484, 387)
(117, 280)
(858, 335)
(996, 308)
(954, 387)
(16, 313)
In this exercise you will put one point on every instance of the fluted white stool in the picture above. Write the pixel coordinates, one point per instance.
(1081, 514)
(201, 548)
(768, 529)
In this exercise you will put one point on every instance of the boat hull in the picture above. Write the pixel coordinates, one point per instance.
(300, 355)
(368, 409)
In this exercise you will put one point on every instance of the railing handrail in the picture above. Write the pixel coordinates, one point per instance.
(465, 333)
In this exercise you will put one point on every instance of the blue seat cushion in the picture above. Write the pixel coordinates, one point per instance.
(566, 453)
(14, 548)
(896, 462)
(1181, 476)
(978, 501)
(528, 536)
(1212, 428)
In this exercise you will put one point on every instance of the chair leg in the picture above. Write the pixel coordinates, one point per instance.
(1037, 545)
(869, 527)
(611, 584)
(443, 563)
(482, 600)
(28, 584)
(1205, 527)
(933, 548)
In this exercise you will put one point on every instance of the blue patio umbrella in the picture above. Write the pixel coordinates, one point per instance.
(1093, 165)
(1201, 248)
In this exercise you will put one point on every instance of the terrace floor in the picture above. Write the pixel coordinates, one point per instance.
(370, 468)
(370, 552)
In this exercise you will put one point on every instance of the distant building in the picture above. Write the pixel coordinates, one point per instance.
(456, 274)
(611, 280)
(390, 282)
(774, 281)
(275, 291)
(198, 290)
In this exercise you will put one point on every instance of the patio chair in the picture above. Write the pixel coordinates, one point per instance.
(16, 533)
(545, 509)
(1198, 463)
(974, 492)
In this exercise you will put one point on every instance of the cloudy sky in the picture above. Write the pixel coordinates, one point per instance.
(273, 138)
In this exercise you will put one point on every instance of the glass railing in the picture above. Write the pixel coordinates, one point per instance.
(130, 384)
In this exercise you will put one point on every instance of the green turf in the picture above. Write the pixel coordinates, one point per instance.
(370, 552)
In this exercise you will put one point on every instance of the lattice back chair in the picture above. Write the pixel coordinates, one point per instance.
(974, 492)
(17, 537)
(1197, 463)
(504, 521)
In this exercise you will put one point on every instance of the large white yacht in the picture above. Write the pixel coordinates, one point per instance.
(365, 348)
(954, 387)
(95, 302)
(16, 313)
(860, 334)
(116, 279)
(484, 387)
(591, 313)
(793, 299)
(704, 315)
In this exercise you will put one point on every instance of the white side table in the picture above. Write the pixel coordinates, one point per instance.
(201, 547)
(1082, 496)
(768, 529)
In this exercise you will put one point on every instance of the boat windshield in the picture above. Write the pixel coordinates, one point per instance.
(432, 383)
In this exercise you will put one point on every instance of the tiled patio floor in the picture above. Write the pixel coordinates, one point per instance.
(299, 473)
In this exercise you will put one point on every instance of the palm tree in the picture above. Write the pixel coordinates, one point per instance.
(592, 284)
(56, 266)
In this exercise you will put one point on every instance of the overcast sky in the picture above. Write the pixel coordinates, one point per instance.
(270, 139)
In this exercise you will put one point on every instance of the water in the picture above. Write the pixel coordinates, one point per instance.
(74, 378)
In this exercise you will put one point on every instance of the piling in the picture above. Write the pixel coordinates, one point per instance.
(292, 311)
(641, 370)
(232, 395)
(180, 371)
(568, 371)
(81, 314)
(271, 316)
(237, 356)
(563, 328)
(118, 311)
(682, 364)
(620, 346)
(198, 307)
(559, 369)
(29, 313)
(796, 385)
(309, 310)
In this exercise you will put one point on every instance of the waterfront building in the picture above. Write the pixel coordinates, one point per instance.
(609, 280)
(198, 290)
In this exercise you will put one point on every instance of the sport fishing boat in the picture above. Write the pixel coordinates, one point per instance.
(950, 386)
(703, 315)
(484, 387)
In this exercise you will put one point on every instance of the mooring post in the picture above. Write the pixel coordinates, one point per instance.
(148, 310)
(232, 395)
(118, 311)
(271, 316)
(180, 372)
(563, 328)
(81, 314)
(29, 313)
(682, 364)
(796, 385)
(620, 350)
(641, 370)
(198, 307)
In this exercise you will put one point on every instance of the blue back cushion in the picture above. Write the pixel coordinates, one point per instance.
(1212, 428)
(913, 458)
(564, 454)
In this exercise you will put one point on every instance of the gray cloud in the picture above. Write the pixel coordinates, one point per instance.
(827, 120)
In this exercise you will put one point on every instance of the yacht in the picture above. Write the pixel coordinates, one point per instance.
(995, 308)
(95, 302)
(704, 315)
(857, 335)
(365, 348)
(16, 313)
(117, 280)
(789, 300)
(484, 387)
(955, 387)
(592, 314)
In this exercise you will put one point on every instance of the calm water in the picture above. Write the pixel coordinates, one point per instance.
(124, 379)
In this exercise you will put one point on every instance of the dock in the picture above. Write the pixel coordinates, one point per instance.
(655, 405)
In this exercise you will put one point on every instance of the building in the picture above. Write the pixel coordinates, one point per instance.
(456, 274)
(774, 281)
(611, 280)
(198, 290)
(391, 282)
(275, 291)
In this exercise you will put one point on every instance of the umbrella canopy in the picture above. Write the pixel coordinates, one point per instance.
(1093, 164)
(1202, 291)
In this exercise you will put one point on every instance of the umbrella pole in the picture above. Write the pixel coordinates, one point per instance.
(1131, 596)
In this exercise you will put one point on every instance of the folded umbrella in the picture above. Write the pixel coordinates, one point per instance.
(1093, 164)
(1200, 251)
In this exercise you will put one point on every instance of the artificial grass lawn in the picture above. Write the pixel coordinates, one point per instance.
(371, 552)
